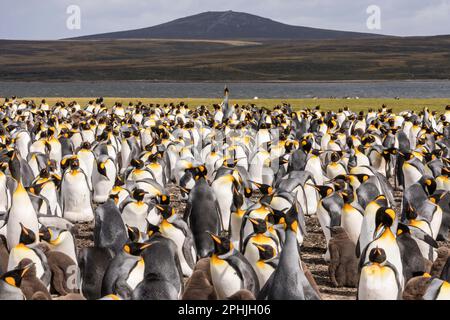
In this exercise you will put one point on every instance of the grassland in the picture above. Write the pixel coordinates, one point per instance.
(325, 104)
(368, 59)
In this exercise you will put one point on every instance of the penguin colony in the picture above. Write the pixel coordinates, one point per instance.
(65, 164)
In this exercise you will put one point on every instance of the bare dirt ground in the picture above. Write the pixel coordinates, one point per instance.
(313, 248)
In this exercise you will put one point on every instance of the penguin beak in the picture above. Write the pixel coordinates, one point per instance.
(259, 247)
(214, 237)
(25, 270)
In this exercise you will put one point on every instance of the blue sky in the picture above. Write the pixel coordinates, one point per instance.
(46, 19)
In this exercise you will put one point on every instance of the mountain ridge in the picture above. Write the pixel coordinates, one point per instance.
(219, 25)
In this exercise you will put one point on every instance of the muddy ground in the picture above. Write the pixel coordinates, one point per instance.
(313, 248)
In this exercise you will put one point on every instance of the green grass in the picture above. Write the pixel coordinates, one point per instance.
(326, 104)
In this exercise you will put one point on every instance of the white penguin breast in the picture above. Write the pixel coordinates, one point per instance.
(136, 275)
(225, 279)
(377, 283)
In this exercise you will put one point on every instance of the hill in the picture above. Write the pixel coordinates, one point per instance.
(163, 60)
(227, 25)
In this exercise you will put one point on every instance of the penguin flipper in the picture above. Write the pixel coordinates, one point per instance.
(421, 235)
(187, 212)
(245, 272)
(433, 289)
(188, 245)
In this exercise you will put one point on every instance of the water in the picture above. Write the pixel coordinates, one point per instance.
(279, 90)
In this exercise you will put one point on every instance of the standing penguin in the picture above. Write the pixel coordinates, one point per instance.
(203, 214)
(379, 280)
(412, 259)
(230, 271)
(119, 275)
(76, 194)
(21, 212)
(386, 240)
(103, 178)
(60, 240)
(288, 281)
(135, 210)
(223, 187)
(175, 228)
(109, 230)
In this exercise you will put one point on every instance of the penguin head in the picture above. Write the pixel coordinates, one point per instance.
(259, 225)
(266, 252)
(324, 191)
(138, 194)
(265, 189)
(199, 172)
(119, 181)
(27, 236)
(222, 243)
(384, 217)
(101, 168)
(428, 184)
(402, 229)
(163, 199)
(166, 210)
(335, 157)
(14, 277)
(74, 163)
(377, 255)
(152, 229)
(361, 177)
(135, 248)
(136, 163)
(53, 235)
(248, 192)
(133, 233)
(348, 196)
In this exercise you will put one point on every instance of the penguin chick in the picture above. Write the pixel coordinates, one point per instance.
(440, 262)
(30, 283)
(198, 287)
(343, 267)
(63, 269)
(203, 265)
(242, 295)
(416, 287)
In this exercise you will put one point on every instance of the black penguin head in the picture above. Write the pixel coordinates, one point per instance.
(163, 199)
(361, 177)
(119, 181)
(138, 194)
(266, 252)
(152, 229)
(200, 172)
(428, 184)
(348, 196)
(135, 248)
(27, 236)
(402, 229)
(75, 164)
(264, 188)
(44, 234)
(377, 255)
(14, 277)
(324, 191)
(335, 157)
(101, 168)
(136, 163)
(259, 225)
(166, 210)
(248, 192)
(133, 233)
(44, 173)
(410, 213)
(222, 243)
(384, 217)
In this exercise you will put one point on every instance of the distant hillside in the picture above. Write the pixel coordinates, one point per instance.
(227, 25)
(200, 60)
